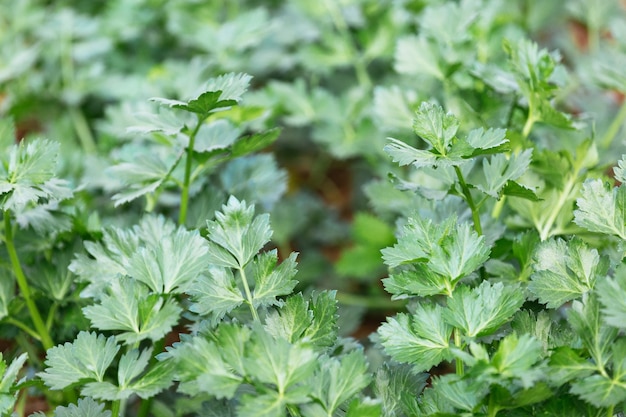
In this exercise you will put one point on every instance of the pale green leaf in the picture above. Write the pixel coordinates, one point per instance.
(218, 134)
(416, 55)
(417, 281)
(596, 336)
(399, 386)
(602, 209)
(201, 368)
(500, 169)
(9, 375)
(486, 139)
(271, 404)
(272, 281)
(566, 365)
(131, 365)
(516, 360)
(365, 407)
(128, 307)
(88, 357)
(255, 178)
(159, 376)
(405, 154)
(144, 175)
(620, 170)
(215, 293)
(481, 311)
(86, 407)
(170, 266)
(460, 393)
(238, 232)
(291, 320)
(277, 362)
(612, 296)
(565, 271)
(422, 339)
(339, 379)
(599, 390)
(435, 126)
(26, 175)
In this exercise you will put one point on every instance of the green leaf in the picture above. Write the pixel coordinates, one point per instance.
(416, 55)
(499, 170)
(620, 170)
(88, 357)
(481, 311)
(277, 362)
(86, 407)
(399, 386)
(219, 134)
(565, 271)
(236, 235)
(435, 127)
(255, 142)
(513, 189)
(172, 264)
(26, 175)
(271, 404)
(271, 281)
(365, 407)
(601, 209)
(110, 258)
(566, 365)
(291, 320)
(223, 91)
(8, 395)
(144, 175)
(422, 339)
(599, 390)
(200, 367)
(517, 360)
(339, 380)
(460, 393)
(487, 141)
(215, 293)
(130, 308)
(405, 154)
(7, 294)
(597, 337)
(255, 178)
(418, 281)
(612, 296)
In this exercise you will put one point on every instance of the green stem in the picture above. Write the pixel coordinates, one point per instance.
(51, 314)
(371, 303)
(82, 129)
(458, 343)
(470, 201)
(528, 126)
(544, 231)
(615, 126)
(46, 340)
(115, 408)
(493, 408)
(246, 288)
(610, 411)
(184, 198)
(342, 27)
(146, 404)
(24, 327)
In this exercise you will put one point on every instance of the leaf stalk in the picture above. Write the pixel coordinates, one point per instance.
(470, 201)
(184, 198)
(22, 283)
